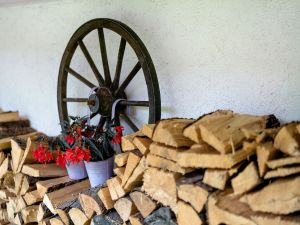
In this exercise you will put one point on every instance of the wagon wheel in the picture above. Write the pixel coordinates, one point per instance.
(109, 93)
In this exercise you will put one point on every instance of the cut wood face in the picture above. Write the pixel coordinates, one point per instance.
(143, 203)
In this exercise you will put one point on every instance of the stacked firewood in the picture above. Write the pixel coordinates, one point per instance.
(224, 168)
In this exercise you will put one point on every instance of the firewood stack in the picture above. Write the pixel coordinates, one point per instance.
(224, 168)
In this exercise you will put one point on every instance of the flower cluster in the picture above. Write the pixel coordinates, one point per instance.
(42, 155)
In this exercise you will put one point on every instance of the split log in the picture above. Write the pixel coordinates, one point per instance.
(282, 172)
(40, 170)
(204, 156)
(8, 182)
(136, 177)
(5, 194)
(193, 194)
(287, 161)
(288, 140)
(27, 154)
(4, 167)
(78, 217)
(170, 132)
(264, 153)
(119, 171)
(56, 221)
(144, 204)
(127, 141)
(2, 157)
(32, 197)
(148, 130)
(53, 184)
(161, 186)
(43, 212)
(105, 197)
(246, 180)
(121, 159)
(91, 204)
(165, 151)
(125, 208)
(29, 214)
(216, 178)
(9, 116)
(187, 215)
(64, 197)
(18, 220)
(142, 144)
(63, 216)
(280, 197)
(132, 163)
(115, 188)
(17, 204)
(136, 219)
(162, 163)
(16, 124)
(5, 142)
(224, 132)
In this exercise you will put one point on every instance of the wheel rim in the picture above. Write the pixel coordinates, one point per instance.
(109, 89)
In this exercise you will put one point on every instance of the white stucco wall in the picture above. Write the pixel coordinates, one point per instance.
(234, 54)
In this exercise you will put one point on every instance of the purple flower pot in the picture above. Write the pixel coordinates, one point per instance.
(99, 171)
(76, 171)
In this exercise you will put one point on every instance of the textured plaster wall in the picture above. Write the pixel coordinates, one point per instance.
(236, 54)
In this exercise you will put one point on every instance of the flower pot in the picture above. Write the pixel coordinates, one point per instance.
(76, 171)
(99, 171)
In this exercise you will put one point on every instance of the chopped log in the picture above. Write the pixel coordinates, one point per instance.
(115, 188)
(40, 170)
(63, 216)
(63, 197)
(193, 194)
(144, 204)
(267, 134)
(287, 161)
(43, 212)
(148, 130)
(91, 204)
(203, 156)
(246, 180)
(142, 144)
(5, 142)
(18, 220)
(165, 151)
(5, 194)
(216, 178)
(280, 197)
(2, 157)
(192, 131)
(15, 124)
(32, 197)
(161, 186)
(78, 217)
(3, 216)
(105, 197)
(17, 182)
(17, 154)
(162, 163)
(29, 214)
(132, 163)
(264, 153)
(9, 116)
(4, 167)
(119, 171)
(53, 184)
(127, 141)
(27, 183)
(187, 215)
(136, 177)
(56, 221)
(136, 219)
(288, 140)
(282, 172)
(8, 182)
(28, 153)
(121, 159)
(17, 203)
(125, 208)
(10, 212)
(170, 132)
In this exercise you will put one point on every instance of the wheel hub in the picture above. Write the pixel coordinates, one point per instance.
(101, 102)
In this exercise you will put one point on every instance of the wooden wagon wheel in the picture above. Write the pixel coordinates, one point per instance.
(108, 92)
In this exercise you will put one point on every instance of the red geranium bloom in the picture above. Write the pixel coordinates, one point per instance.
(87, 155)
(42, 155)
(116, 139)
(70, 139)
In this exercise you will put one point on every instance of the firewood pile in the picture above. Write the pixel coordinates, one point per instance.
(223, 168)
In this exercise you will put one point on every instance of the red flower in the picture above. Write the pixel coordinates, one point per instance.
(70, 139)
(87, 155)
(119, 129)
(117, 139)
(41, 155)
(78, 131)
(61, 159)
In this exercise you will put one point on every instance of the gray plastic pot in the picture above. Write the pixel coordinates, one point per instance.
(99, 171)
(76, 171)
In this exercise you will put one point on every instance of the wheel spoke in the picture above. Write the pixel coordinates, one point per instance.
(91, 62)
(135, 103)
(104, 57)
(75, 99)
(79, 77)
(130, 76)
(129, 122)
(119, 63)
